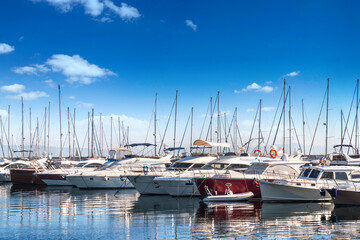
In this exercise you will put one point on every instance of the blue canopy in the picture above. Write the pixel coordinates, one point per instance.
(140, 144)
(173, 149)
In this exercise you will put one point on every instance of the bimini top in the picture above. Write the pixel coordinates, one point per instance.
(173, 149)
(211, 144)
(140, 144)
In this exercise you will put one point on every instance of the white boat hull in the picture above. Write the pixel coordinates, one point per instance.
(180, 187)
(99, 182)
(145, 185)
(53, 182)
(289, 193)
(229, 198)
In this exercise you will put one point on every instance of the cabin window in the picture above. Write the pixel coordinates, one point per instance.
(237, 166)
(93, 165)
(341, 176)
(327, 175)
(197, 166)
(256, 169)
(180, 166)
(314, 174)
(306, 172)
(355, 176)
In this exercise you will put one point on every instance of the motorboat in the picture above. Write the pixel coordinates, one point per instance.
(111, 175)
(57, 177)
(310, 184)
(228, 197)
(247, 181)
(28, 174)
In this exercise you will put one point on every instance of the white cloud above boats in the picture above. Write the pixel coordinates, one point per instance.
(292, 74)
(18, 90)
(6, 48)
(34, 69)
(256, 87)
(50, 83)
(96, 8)
(191, 25)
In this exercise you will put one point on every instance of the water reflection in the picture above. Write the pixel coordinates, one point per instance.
(66, 212)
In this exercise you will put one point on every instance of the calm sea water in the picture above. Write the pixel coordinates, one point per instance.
(70, 213)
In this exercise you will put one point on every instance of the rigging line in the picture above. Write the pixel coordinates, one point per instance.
(202, 128)
(272, 125)
(347, 131)
(348, 118)
(297, 137)
(182, 139)
(238, 132)
(317, 123)
(352, 133)
(75, 135)
(282, 113)
(167, 125)
(211, 119)
(150, 123)
(229, 132)
(252, 129)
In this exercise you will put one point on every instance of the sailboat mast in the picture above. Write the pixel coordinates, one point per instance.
(289, 119)
(259, 134)
(74, 135)
(92, 133)
(341, 115)
(89, 152)
(69, 132)
(48, 133)
(60, 155)
(176, 98)
(191, 129)
(31, 143)
(37, 138)
(211, 118)
(155, 112)
(357, 118)
(45, 116)
(9, 131)
(284, 129)
(22, 127)
(218, 121)
(101, 135)
(327, 116)
(119, 131)
(303, 124)
(111, 131)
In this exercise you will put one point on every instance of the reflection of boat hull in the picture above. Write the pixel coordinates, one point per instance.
(271, 191)
(145, 185)
(179, 186)
(99, 182)
(219, 186)
(346, 197)
(229, 197)
(5, 177)
(26, 176)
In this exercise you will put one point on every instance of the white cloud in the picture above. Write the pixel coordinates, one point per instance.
(292, 74)
(31, 70)
(77, 69)
(268, 82)
(96, 7)
(72, 97)
(257, 87)
(84, 104)
(126, 12)
(247, 123)
(14, 88)
(250, 110)
(268, 109)
(29, 95)
(190, 24)
(236, 91)
(6, 48)
(50, 83)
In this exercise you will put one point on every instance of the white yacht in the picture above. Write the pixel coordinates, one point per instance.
(146, 184)
(111, 175)
(58, 177)
(309, 186)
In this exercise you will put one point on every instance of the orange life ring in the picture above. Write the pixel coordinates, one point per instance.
(273, 153)
(258, 151)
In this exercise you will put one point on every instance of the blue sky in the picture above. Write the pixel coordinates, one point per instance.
(114, 56)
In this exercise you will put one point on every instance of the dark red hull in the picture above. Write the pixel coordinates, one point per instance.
(26, 177)
(219, 186)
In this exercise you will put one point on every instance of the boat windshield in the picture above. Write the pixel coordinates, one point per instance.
(256, 169)
(305, 173)
(180, 166)
(314, 174)
(79, 165)
(341, 176)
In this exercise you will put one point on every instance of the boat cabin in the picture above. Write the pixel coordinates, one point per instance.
(343, 173)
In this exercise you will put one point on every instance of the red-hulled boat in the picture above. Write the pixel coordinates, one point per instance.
(247, 181)
(26, 176)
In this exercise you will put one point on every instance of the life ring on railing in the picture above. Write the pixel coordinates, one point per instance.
(258, 151)
(273, 153)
